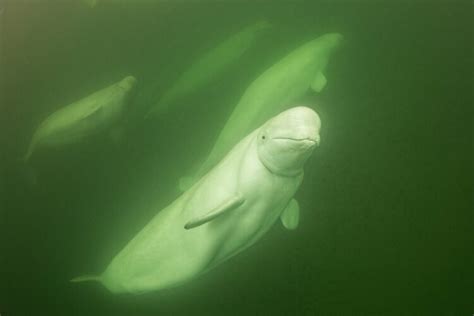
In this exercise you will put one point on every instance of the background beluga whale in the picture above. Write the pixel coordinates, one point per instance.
(91, 115)
(274, 90)
(226, 211)
(210, 65)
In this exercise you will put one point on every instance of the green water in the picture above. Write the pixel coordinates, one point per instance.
(386, 202)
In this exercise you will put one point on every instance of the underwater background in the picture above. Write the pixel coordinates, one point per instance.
(386, 202)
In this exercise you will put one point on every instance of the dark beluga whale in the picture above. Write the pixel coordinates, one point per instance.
(210, 65)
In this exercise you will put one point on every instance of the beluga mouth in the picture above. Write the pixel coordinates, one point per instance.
(314, 141)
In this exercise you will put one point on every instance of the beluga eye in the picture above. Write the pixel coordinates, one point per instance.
(263, 137)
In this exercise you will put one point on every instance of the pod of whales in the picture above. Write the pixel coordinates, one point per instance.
(247, 183)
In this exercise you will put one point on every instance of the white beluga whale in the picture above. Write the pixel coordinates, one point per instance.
(226, 211)
(93, 114)
(284, 83)
(211, 65)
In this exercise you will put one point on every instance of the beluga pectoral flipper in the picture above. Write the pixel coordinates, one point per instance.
(229, 209)
(290, 217)
(319, 82)
(228, 205)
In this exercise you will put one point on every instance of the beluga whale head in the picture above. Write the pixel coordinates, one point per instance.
(287, 140)
(128, 83)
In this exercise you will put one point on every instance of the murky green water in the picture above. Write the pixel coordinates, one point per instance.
(386, 202)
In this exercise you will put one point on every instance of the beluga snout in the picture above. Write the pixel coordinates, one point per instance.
(298, 123)
(287, 140)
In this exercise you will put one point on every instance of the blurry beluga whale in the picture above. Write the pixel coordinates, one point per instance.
(93, 114)
(90, 3)
(276, 89)
(225, 212)
(209, 66)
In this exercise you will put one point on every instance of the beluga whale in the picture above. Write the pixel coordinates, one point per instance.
(91, 115)
(225, 212)
(281, 85)
(210, 65)
(90, 3)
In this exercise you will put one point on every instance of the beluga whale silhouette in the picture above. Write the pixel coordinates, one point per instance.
(226, 211)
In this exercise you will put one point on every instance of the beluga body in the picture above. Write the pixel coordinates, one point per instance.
(210, 65)
(89, 116)
(226, 211)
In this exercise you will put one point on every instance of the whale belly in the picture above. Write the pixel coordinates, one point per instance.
(161, 255)
(246, 226)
